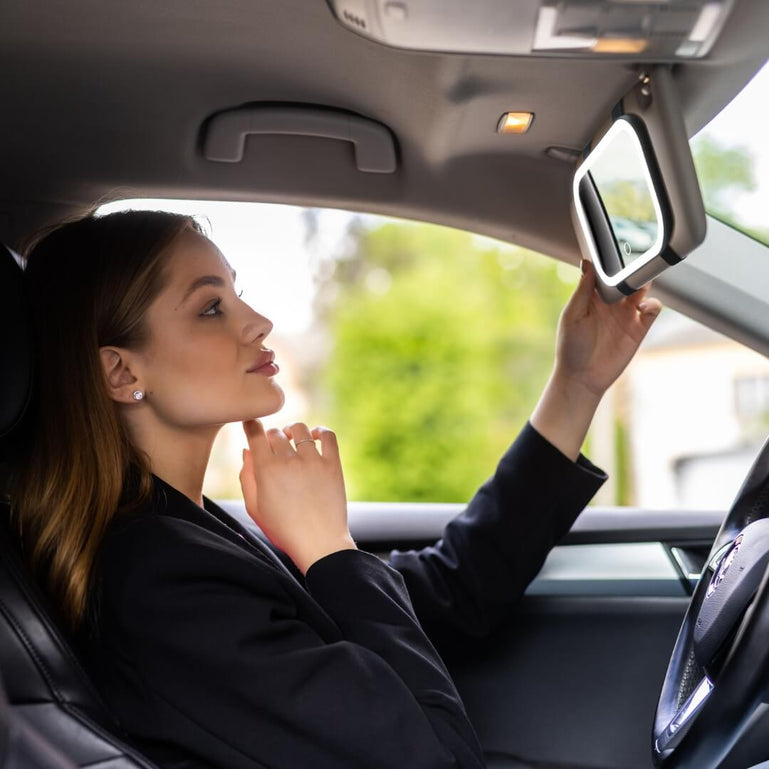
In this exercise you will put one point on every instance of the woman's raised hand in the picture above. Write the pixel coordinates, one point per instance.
(295, 493)
(595, 343)
(596, 340)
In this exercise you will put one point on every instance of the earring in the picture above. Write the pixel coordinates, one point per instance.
(138, 395)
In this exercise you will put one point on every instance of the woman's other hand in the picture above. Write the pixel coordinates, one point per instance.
(595, 343)
(295, 493)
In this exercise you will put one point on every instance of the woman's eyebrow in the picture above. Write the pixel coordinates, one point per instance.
(203, 280)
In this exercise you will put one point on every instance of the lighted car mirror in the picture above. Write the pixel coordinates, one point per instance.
(636, 202)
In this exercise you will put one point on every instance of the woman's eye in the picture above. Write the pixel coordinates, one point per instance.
(212, 310)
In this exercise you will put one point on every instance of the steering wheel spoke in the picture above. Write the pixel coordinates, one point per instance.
(674, 732)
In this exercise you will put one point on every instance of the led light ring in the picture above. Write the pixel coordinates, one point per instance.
(624, 124)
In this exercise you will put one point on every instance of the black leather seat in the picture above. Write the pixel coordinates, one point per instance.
(48, 692)
(21, 747)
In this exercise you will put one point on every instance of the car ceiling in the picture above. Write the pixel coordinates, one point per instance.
(107, 99)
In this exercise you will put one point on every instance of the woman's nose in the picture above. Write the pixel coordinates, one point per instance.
(257, 328)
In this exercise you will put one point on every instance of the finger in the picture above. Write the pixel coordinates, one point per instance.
(629, 304)
(328, 443)
(257, 439)
(649, 309)
(248, 481)
(300, 434)
(279, 443)
(583, 294)
(639, 295)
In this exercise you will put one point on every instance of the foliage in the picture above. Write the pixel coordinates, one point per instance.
(442, 342)
(724, 172)
(623, 493)
(628, 199)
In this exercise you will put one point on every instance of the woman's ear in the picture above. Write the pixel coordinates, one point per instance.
(121, 382)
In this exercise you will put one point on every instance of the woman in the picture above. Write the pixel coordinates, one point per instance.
(213, 649)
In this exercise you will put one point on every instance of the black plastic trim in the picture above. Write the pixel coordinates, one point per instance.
(399, 524)
(670, 256)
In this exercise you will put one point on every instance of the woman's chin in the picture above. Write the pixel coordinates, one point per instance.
(280, 398)
(269, 405)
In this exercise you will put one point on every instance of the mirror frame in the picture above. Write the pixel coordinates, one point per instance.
(652, 110)
(596, 226)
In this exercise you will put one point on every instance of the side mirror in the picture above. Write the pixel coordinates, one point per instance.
(637, 207)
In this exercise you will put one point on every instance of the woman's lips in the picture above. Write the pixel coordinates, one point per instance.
(268, 369)
(265, 365)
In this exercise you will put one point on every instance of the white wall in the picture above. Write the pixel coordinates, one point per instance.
(681, 405)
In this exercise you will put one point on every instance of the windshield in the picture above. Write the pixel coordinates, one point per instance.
(731, 155)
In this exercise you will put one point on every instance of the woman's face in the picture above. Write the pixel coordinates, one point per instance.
(205, 362)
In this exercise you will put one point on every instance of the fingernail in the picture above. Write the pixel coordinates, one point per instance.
(643, 306)
(582, 266)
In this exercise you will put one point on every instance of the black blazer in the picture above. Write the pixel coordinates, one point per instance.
(213, 651)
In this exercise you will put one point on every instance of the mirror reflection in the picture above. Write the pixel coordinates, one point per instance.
(621, 187)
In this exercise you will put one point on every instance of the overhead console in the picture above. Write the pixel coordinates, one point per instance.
(641, 30)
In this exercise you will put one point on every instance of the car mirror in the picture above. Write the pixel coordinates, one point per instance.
(637, 208)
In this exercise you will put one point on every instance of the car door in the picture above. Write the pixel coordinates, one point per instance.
(572, 679)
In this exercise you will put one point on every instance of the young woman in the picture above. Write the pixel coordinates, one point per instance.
(213, 649)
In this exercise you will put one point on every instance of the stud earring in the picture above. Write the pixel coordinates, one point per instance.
(138, 395)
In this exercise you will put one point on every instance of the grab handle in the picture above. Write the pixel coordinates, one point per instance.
(373, 143)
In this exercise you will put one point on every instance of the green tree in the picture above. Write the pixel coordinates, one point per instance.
(724, 172)
(441, 344)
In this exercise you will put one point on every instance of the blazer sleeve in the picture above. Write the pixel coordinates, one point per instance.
(469, 581)
(208, 649)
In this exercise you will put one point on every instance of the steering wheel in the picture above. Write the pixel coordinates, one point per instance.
(718, 673)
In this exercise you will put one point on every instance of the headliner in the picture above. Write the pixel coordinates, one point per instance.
(107, 99)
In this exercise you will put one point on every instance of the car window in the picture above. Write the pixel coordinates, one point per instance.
(426, 349)
(731, 155)
(683, 424)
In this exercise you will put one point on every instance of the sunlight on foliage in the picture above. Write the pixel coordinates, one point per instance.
(723, 173)
(442, 342)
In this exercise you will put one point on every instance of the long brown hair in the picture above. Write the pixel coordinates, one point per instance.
(90, 283)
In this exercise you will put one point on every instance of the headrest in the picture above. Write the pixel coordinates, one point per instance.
(16, 359)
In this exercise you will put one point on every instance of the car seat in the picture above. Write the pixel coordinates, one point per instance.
(21, 747)
(47, 690)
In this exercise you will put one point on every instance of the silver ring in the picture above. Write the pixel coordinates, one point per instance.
(304, 440)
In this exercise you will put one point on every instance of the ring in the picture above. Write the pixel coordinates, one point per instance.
(304, 440)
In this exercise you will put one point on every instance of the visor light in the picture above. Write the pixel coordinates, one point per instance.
(515, 122)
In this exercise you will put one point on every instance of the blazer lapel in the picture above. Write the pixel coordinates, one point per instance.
(169, 501)
(173, 503)
(252, 538)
